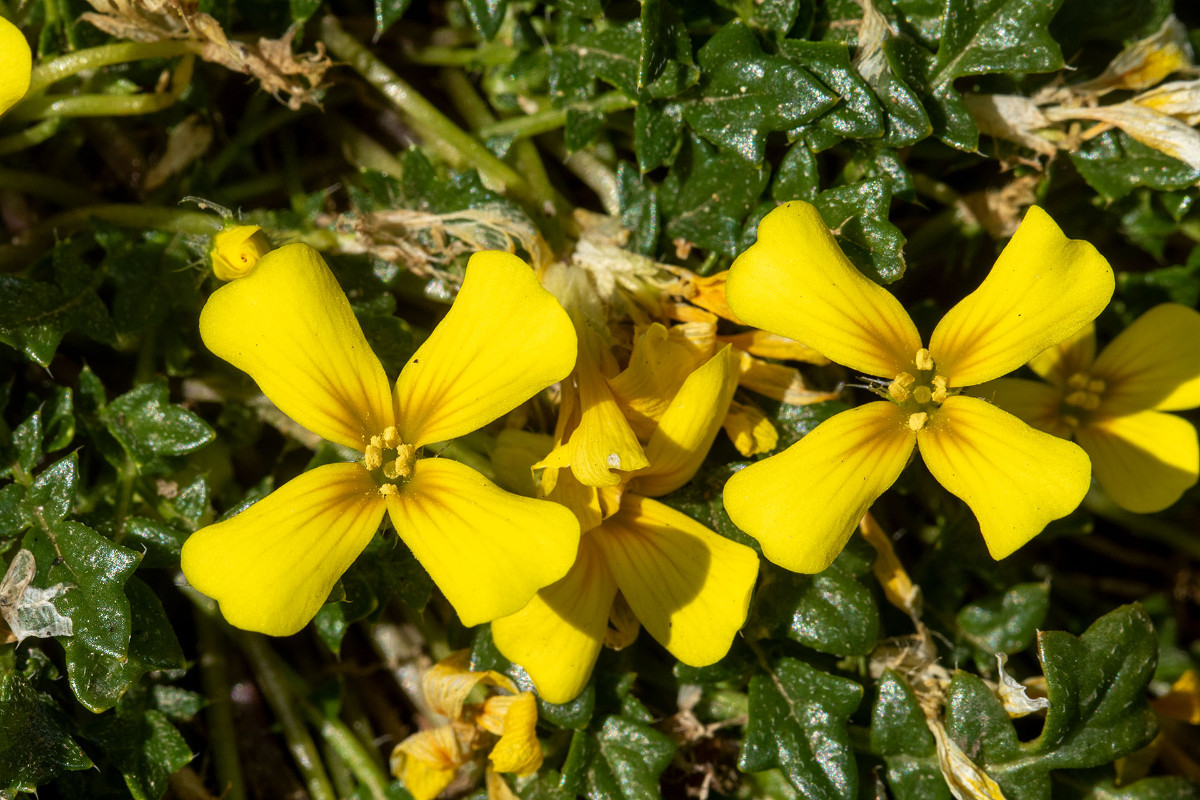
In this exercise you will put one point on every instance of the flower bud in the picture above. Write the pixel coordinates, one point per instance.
(235, 251)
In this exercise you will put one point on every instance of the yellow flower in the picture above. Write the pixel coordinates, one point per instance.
(16, 64)
(686, 584)
(1111, 404)
(505, 723)
(290, 327)
(803, 503)
(236, 250)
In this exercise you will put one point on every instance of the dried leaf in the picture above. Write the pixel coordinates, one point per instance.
(27, 609)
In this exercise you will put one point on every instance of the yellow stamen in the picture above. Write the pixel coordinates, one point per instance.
(1097, 386)
(391, 437)
(1079, 399)
(917, 421)
(939, 389)
(389, 489)
(1078, 381)
(924, 361)
(373, 457)
(898, 389)
(1070, 421)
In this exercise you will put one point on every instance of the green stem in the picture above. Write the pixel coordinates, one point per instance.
(1184, 541)
(552, 119)
(459, 148)
(108, 105)
(273, 681)
(64, 66)
(341, 740)
(33, 135)
(40, 184)
(214, 672)
(595, 174)
(489, 55)
(360, 149)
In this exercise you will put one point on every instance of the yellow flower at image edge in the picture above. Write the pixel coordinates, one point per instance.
(1111, 404)
(290, 327)
(16, 64)
(803, 503)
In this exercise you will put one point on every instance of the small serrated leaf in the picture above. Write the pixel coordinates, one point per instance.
(858, 216)
(1005, 624)
(900, 735)
(34, 742)
(150, 427)
(798, 718)
(628, 759)
(52, 495)
(986, 36)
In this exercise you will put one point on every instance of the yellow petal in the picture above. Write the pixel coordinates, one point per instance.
(707, 292)
(518, 750)
(503, 341)
(16, 63)
(513, 459)
(796, 282)
(1015, 478)
(288, 324)
(447, 683)
(557, 637)
(1042, 289)
(1037, 404)
(897, 585)
(1144, 461)
(689, 587)
(771, 345)
(427, 761)
(623, 625)
(583, 501)
(1073, 354)
(657, 368)
(604, 442)
(497, 787)
(777, 382)
(687, 428)
(477, 541)
(749, 429)
(803, 504)
(1154, 363)
(1183, 701)
(273, 565)
(700, 338)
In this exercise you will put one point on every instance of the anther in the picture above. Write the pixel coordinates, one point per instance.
(898, 388)
(1079, 380)
(924, 361)
(388, 489)
(917, 421)
(373, 457)
(939, 389)
(1070, 421)
(1097, 386)
(391, 437)
(1078, 399)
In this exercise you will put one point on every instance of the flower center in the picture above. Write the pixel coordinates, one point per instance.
(389, 460)
(1082, 395)
(920, 394)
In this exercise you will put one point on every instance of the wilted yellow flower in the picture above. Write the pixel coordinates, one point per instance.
(1111, 404)
(689, 586)
(16, 64)
(803, 504)
(504, 723)
(290, 327)
(236, 250)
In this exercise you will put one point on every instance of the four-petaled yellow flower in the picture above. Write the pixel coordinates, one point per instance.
(428, 761)
(1111, 404)
(689, 586)
(288, 324)
(803, 503)
(16, 65)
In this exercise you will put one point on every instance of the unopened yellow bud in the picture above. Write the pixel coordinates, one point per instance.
(235, 251)
(16, 64)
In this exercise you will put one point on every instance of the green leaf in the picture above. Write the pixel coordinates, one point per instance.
(14, 517)
(27, 442)
(949, 119)
(1114, 165)
(1096, 684)
(657, 132)
(857, 114)
(986, 36)
(388, 13)
(899, 734)
(34, 742)
(797, 177)
(36, 315)
(333, 619)
(639, 209)
(1005, 624)
(665, 64)
(705, 197)
(775, 16)
(96, 570)
(1156, 788)
(159, 542)
(744, 94)
(832, 613)
(858, 216)
(798, 724)
(150, 427)
(1178, 284)
(52, 495)
(391, 338)
(98, 679)
(627, 759)
(58, 412)
(1079, 21)
(143, 744)
(486, 15)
